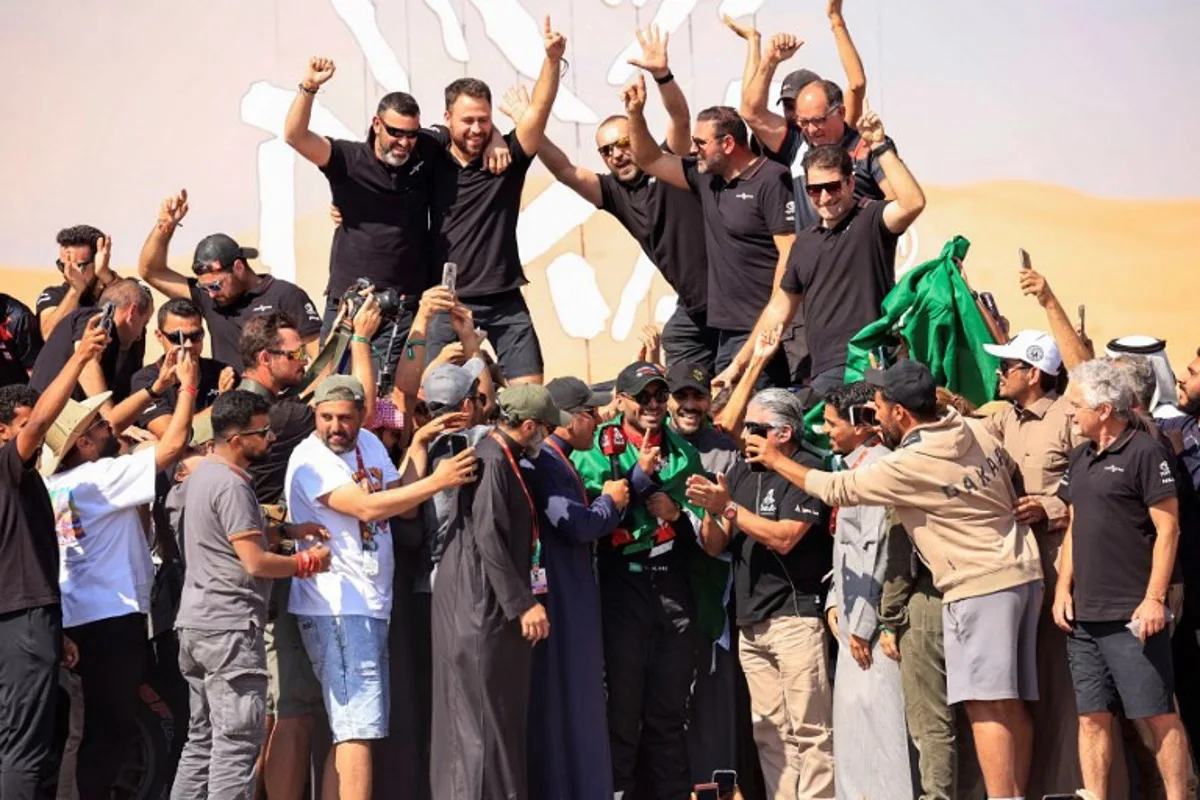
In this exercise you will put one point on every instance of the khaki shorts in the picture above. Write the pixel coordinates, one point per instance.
(293, 689)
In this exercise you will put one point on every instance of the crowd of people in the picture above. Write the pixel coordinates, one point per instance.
(659, 587)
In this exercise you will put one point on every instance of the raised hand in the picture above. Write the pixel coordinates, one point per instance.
(368, 318)
(634, 96)
(745, 30)
(227, 380)
(833, 10)
(870, 128)
(439, 425)
(103, 253)
(654, 51)
(436, 300)
(79, 278)
(320, 69)
(1034, 284)
(727, 377)
(462, 321)
(648, 457)
(172, 210)
(651, 340)
(515, 102)
(168, 372)
(783, 46)
(188, 369)
(94, 340)
(555, 42)
(456, 470)
(767, 343)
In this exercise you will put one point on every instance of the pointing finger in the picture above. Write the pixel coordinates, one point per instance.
(546, 25)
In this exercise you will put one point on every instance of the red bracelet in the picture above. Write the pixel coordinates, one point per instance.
(192, 390)
(304, 564)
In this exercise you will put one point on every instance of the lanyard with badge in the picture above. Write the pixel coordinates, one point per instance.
(537, 573)
(368, 531)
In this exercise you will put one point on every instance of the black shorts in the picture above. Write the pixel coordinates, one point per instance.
(776, 374)
(687, 339)
(1109, 664)
(505, 318)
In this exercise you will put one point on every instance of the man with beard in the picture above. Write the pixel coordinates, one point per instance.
(689, 405)
(227, 291)
(1035, 428)
(748, 214)
(568, 735)
(342, 478)
(949, 482)
(106, 572)
(486, 613)
(666, 221)
(83, 259)
(223, 609)
(657, 589)
(841, 268)
(474, 216)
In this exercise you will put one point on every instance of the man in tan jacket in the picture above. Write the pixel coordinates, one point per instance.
(950, 484)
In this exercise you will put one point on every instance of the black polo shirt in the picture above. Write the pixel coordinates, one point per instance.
(225, 322)
(741, 219)
(52, 297)
(28, 546)
(384, 235)
(474, 218)
(844, 272)
(867, 172)
(668, 223)
(1112, 542)
(206, 392)
(767, 583)
(292, 421)
(117, 364)
(20, 341)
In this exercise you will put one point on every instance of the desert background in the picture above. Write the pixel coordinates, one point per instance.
(1059, 127)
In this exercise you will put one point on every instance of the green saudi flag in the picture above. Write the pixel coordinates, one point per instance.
(932, 308)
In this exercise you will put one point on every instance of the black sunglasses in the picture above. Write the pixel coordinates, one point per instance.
(263, 431)
(758, 428)
(81, 264)
(645, 397)
(400, 133)
(608, 149)
(180, 337)
(833, 187)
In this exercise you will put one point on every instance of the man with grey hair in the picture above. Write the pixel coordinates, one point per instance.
(342, 478)
(1117, 562)
(779, 539)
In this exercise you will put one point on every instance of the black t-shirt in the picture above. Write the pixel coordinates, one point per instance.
(844, 272)
(867, 172)
(206, 392)
(1112, 536)
(225, 322)
(28, 545)
(292, 421)
(767, 583)
(20, 341)
(741, 219)
(474, 218)
(52, 297)
(384, 235)
(117, 364)
(668, 223)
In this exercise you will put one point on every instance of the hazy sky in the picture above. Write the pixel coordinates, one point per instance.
(114, 104)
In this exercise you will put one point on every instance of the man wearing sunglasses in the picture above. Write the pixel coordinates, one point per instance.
(658, 590)
(841, 268)
(226, 290)
(180, 331)
(83, 258)
(666, 221)
(748, 217)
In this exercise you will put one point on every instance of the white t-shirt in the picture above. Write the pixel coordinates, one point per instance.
(104, 557)
(349, 587)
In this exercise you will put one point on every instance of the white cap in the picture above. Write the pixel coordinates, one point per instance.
(1033, 347)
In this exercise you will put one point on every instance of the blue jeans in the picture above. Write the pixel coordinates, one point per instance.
(350, 658)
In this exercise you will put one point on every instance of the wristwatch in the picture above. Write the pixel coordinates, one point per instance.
(730, 512)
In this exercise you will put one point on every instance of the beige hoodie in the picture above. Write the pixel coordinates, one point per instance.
(950, 484)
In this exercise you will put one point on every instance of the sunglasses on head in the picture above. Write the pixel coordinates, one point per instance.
(81, 264)
(646, 396)
(607, 150)
(833, 187)
(299, 354)
(758, 428)
(400, 133)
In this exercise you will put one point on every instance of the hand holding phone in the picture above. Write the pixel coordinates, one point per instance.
(706, 791)
(450, 275)
(726, 781)
(1026, 261)
(107, 312)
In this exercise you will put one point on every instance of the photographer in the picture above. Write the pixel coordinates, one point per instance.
(779, 538)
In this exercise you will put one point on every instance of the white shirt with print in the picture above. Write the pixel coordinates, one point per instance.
(314, 471)
(104, 569)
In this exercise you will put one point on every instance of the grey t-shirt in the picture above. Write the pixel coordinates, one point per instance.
(219, 507)
(718, 452)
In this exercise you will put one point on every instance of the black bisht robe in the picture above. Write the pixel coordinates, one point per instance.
(481, 662)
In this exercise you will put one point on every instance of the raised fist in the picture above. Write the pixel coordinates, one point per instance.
(634, 96)
(320, 69)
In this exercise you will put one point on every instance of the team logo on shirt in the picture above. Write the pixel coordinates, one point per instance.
(744, 196)
(311, 311)
(1114, 469)
(260, 309)
(1164, 473)
(767, 504)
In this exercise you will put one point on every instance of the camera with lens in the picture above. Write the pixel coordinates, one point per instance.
(354, 297)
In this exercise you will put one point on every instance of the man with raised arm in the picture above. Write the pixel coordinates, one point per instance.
(748, 214)
(474, 216)
(666, 222)
(842, 267)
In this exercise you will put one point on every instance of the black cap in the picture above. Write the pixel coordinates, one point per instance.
(686, 375)
(638, 375)
(572, 394)
(221, 249)
(793, 82)
(907, 382)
